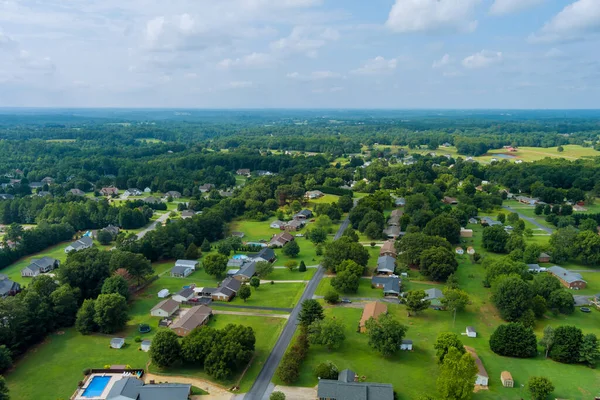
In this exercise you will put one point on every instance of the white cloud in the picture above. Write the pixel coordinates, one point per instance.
(154, 29)
(442, 62)
(482, 59)
(305, 40)
(377, 66)
(433, 16)
(7, 42)
(554, 53)
(505, 7)
(253, 60)
(240, 84)
(575, 22)
(314, 76)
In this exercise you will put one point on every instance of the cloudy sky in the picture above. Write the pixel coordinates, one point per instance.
(300, 53)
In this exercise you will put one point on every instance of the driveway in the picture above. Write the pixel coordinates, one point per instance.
(161, 220)
(533, 221)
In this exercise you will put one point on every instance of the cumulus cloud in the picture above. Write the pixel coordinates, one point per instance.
(305, 40)
(377, 66)
(505, 7)
(253, 60)
(482, 59)
(575, 22)
(433, 16)
(314, 76)
(442, 62)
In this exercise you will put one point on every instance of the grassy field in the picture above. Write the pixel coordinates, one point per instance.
(284, 274)
(280, 295)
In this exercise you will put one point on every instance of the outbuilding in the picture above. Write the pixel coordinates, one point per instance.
(471, 332)
(507, 379)
(145, 346)
(117, 343)
(407, 344)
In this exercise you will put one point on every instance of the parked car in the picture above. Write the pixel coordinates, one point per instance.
(346, 301)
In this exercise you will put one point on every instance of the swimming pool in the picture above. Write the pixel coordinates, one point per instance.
(240, 257)
(96, 386)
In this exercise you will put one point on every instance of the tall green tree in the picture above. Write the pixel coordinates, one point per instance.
(539, 387)
(512, 296)
(494, 239)
(455, 300)
(65, 301)
(110, 312)
(5, 358)
(165, 349)
(567, 344)
(4, 394)
(437, 263)
(292, 249)
(444, 226)
(215, 265)
(310, 312)
(85, 322)
(385, 334)
(327, 332)
(589, 351)
(415, 301)
(444, 342)
(244, 293)
(457, 376)
(514, 340)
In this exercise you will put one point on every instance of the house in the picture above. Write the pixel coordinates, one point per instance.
(313, 194)
(470, 250)
(450, 200)
(77, 192)
(507, 379)
(243, 172)
(187, 263)
(247, 271)
(265, 254)
(36, 185)
(281, 239)
(207, 187)
(227, 291)
(407, 344)
(117, 343)
(109, 191)
(8, 287)
(459, 251)
(184, 294)
(40, 266)
(181, 271)
(400, 202)
(571, 280)
(390, 285)
(535, 268)
(346, 387)
(163, 293)
(372, 309)
(165, 308)
(386, 265)
(133, 192)
(395, 218)
(132, 388)
(482, 375)
(435, 296)
(392, 232)
(193, 318)
(48, 181)
(151, 200)
(84, 243)
(238, 262)
(489, 222)
(466, 233)
(471, 332)
(43, 193)
(544, 258)
(527, 200)
(187, 214)
(145, 346)
(173, 194)
(578, 208)
(5, 196)
(472, 221)
(303, 215)
(147, 190)
(388, 249)
(277, 224)
(111, 229)
(294, 225)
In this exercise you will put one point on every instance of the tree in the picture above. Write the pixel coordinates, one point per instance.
(444, 342)
(5, 358)
(345, 203)
(512, 296)
(346, 281)
(452, 282)
(444, 226)
(415, 301)
(264, 268)
(547, 340)
(437, 263)
(563, 244)
(587, 247)
(539, 306)
(291, 265)
(302, 267)
(344, 249)
(351, 233)
(277, 396)
(136, 265)
(373, 231)
(165, 349)
(503, 267)
(84, 322)
(215, 265)
(311, 311)
(244, 293)
(545, 284)
(205, 246)
(327, 332)
(224, 248)
(455, 300)
(589, 351)
(116, 284)
(457, 375)
(3, 389)
(566, 345)
(326, 370)
(514, 340)
(255, 282)
(494, 239)
(65, 301)
(515, 242)
(191, 252)
(385, 334)
(412, 245)
(332, 297)
(110, 312)
(104, 237)
(198, 344)
(317, 235)
(501, 217)
(561, 301)
(539, 387)
(292, 249)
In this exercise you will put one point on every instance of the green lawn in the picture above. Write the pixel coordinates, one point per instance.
(364, 289)
(280, 295)
(284, 274)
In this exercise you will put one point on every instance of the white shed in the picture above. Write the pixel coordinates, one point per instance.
(145, 346)
(471, 332)
(407, 344)
(164, 293)
(117, 343)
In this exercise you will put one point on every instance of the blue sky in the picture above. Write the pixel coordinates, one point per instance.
(300, 53)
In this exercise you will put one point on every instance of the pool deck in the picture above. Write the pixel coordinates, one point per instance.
(114, 377)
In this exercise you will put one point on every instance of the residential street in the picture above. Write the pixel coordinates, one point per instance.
(152, 226)
(533, 221)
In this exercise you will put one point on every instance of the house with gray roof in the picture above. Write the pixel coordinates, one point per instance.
(84, 243)
(181, 272)
(40, 266)
(435, 296)
(184, 294)
(247, 271)
(186, 263)
(131, 388)
(8, 287)
(390, 285)
(346, 387)
(489, 222)
(571, 280)
(386, 265)
(266, 254)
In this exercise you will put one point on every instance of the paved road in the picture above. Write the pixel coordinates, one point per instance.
(262, 386)
(533, 221)
(153, 225)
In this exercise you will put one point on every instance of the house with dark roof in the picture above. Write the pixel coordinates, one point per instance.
(8, 287)
(173, 194)
(571, 280)
(281, 239)
(184, 294)
(304, 215)
(77, 192)
(435, 296)
(227, 291)
(247, 271)
(84, 243)
(111, 229)
(392, 232)
(450, 200)
(133, 192)
(181, 271)
(347, 387)
(109, 191)
(386, 265)
(390, 285)
(151, 200)
(313, 194)
(187, 214)
(36, 185)
(544, 258)
(193, 318)
(131, 388)
(395, 218)
(40, 266)
(489, 222)
(265, 254)
(207, 187)
(482, 375)
(294, 225)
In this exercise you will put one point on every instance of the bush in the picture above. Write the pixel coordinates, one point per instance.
(138, 339)
(326, 370)
(514, 340)
(332, 297)
(277, 396)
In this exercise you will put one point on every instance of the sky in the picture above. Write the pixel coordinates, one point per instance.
(300, 53)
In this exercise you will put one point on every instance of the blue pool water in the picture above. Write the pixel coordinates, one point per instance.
(239, 257)
(96, 386)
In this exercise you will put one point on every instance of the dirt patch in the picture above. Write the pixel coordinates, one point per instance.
(60, 332)
(479, 388)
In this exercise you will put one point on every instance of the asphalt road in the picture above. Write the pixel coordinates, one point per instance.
(153, 225)
(533, 221)
(261, 389)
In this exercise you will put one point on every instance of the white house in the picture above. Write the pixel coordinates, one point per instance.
(84, 243)
(407, 344)
(165, 308)
(471, 332)
(482, 377)
(184, 295)
(145, 346)
(147, 190)
(277, 224)
(186, 263)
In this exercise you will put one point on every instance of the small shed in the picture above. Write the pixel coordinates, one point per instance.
(466, 233)
(471, 332)
(460, 251)
(544, 258)
(470, 250)
(507, 379)
(145, 346)
(164, 293)
(117, 343)
(407, 344)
